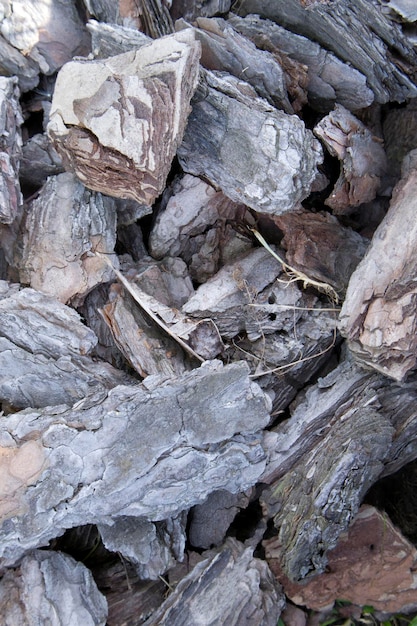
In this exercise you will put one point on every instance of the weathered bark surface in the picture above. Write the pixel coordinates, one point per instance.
(378, 316)
(256, 154)
(109, 40)
(43, 354)
(373, 564)
(190, 9)
(358, 32)
(141, 451)
(362, 156)
(39, 160)
(126, 152)
(13, 63)
(328, 79)
(51, 588)
(197, 224)
(49, 33)
(233, 587)
(152, 547)
(224, 49)
(319, 246)
(10, 150)
(57, 246)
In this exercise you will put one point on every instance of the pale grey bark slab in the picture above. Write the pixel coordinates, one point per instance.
(362, 156)
(345, 441)
(57, 244)
(49, 33)
(14, 63)
(108, 40)
(152, 547)
(256, 154)
(378, 316)
(197, 225)
(224, 49)
(118, 122)
(142, 451)
(357, 31)
(51, 588)
(10, 149)
(329, 80)
(229, 586)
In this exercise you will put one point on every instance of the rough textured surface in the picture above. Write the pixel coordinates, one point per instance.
(49, 33)
(108, 40)
(362, 156)
(118, 122)
(373, 564)
(227, 587)
(142, 451)
(357, 32)
(256, 154)
(51, 588)
(39, 160)
(10, 150)
(329, 79)
(378, 316)
(56, 248)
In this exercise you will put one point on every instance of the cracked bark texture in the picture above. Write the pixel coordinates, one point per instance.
(256, 154)
(117, 122)
(378, 316)
(10, 150)
(167, 446)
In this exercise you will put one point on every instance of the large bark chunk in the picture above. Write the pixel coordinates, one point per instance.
(118, 122)
(379, 314)
(145, 452)
(10, 150)
(256, 154)
(233, 587)
(51, 588)
(57, 244)
(357, 31)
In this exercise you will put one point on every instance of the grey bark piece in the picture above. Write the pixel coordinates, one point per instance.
(56, 248)
(362, 156)
(405, 8)
(136, 453)
(224, 49)
(152, 547)
(48, 33)
(357, 31)
(256, 154)
(378, 316)
(118, 122)
(211, 519)
(10, 149)
(329, 80)
(348, 440)
(193, 225)
(109, 40)
(13, 63)
(190, 9)
(39, 160)
(227, 587)
(51, 588)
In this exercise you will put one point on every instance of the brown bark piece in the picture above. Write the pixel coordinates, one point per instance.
(57, 245)
(118, 122)
(362, 156)
(372, 564)
(378, 316)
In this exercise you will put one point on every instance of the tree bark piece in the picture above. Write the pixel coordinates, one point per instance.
(319, 246)
(197, 225)
(362, 156)
(10, 150)
(13, 63)
(109, 40)
(118, 122)
(378, 316)
(48, 33)
(358, 32)
(224, 49)
(234, 588)
(56, 248)
(256, 154)
(373, 564)
(166, 447)
(39, 160)
(152, 547)
(329, 80)
(51, 588)
(191, 9)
